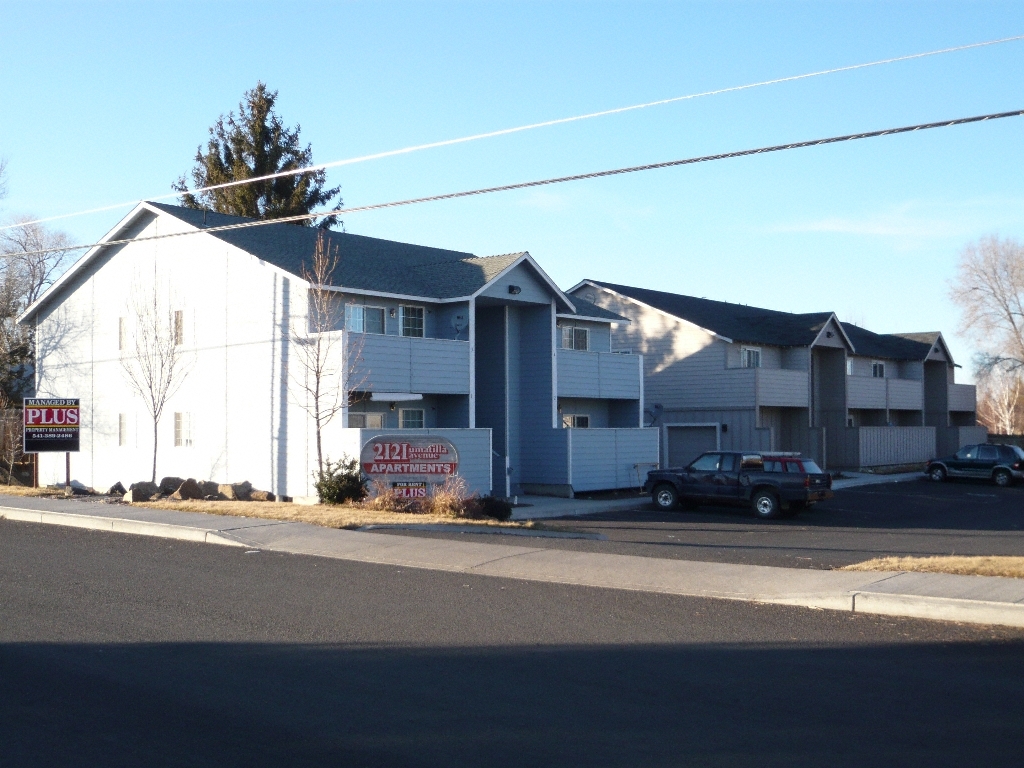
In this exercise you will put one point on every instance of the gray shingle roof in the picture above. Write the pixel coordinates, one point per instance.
(586, 308)
(733, 321)
(365, 263)
(893, 346)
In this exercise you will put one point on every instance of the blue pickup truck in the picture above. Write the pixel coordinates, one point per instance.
(772, 484)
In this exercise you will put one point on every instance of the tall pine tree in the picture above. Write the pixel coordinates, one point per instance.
(257, 143)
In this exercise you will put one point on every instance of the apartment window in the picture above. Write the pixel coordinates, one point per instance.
(575, 421)
(411, 321)
(179, 327)
(182, 430)
(878, 370)
(122, 429)
(410, 418)
(849, 367)
(122, 333)
(750, 357)
(362, 319)
(575, 338)
(366, 420)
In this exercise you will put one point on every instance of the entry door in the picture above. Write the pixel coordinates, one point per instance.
(685, 443)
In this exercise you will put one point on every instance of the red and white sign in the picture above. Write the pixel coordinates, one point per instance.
(51, 424)
(423, 457)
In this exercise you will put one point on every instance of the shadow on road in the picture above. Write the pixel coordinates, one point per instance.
(278, 704)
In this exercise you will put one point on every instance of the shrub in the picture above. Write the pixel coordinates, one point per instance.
(384, 499)
(491, 506)
(449, 499)
(340, 481)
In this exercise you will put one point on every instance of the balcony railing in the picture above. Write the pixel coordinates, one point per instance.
(408, 364)
(962, 397)
(598, 375)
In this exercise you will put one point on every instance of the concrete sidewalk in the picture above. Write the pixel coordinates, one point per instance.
(973, 599)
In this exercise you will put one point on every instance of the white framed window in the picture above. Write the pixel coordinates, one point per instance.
(182, 430)
(750, 357)
(363, 319)
(410, 321)
(849, 367)
(122, 333)
(878, 369)
(576, 338)
(179, 327)
(575, 421)
(366, 420)
(410, 418)
(122, 429)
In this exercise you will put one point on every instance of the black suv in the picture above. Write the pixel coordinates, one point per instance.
(1002, 464)
(771, 483)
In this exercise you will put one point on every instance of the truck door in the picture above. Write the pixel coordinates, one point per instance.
(727, 480)
(701, 475)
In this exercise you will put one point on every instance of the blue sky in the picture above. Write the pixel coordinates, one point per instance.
(104, 102)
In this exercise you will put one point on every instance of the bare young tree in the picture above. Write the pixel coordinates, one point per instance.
(1001, 401)
(989, 289)
(3, 177)
(328, 358)
(153, 361)
(25, 273)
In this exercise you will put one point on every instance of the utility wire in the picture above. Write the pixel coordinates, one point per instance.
(518, 129)
(545, 182)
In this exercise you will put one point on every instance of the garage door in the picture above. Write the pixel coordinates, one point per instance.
(685, 443)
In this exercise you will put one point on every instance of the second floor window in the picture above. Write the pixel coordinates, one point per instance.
(179, 327)
(411, 320)
(122, 333)
(363, 319)
(366, 420)
(575, 338)
(575, 421)
(182, 430)
(878, 370)
(750, 357)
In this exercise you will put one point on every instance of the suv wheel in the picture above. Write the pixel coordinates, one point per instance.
(1002, 478)
(766, 505)
(937, 473)
(665, 497)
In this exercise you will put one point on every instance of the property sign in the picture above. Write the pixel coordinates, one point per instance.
(409, 461)
(51, 424)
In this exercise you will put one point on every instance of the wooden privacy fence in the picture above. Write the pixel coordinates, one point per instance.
(854, 447)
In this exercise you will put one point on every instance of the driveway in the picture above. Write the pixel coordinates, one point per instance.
(915, 518)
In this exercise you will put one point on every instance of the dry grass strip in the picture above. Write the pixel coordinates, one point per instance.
(24, 490)
(340, 516)
(958, 564)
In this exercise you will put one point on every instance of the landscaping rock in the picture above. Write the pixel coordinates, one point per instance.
(117, 489)
(189, 489)
(261, 496)
(171, 484)
(235, 491)
(209, 489)
(142, 491)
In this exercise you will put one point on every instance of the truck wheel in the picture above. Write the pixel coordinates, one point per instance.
(1002, 478)
(766, 505)
(665, 497)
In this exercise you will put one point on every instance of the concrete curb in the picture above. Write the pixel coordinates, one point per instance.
(869, 479)
(859, 592)
(491, 530)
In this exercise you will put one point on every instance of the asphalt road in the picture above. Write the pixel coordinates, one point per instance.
(122, 650)
(915, 518)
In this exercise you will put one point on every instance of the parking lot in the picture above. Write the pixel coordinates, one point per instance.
(913, 518)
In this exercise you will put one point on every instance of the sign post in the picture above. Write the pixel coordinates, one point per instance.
(52, 425)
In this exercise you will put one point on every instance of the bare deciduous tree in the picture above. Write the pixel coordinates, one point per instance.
(3, 177)
(154, 361)
(329, 358)
(25, 274)
(989, 289)
(1001, 401)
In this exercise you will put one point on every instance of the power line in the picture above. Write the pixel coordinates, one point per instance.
(518, 129)
(554, 180)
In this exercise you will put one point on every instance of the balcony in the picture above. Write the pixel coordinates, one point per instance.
(407, 364)
(905, 394)
(962, 397)
(866, 392)
(781, 387)
(604, 375)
